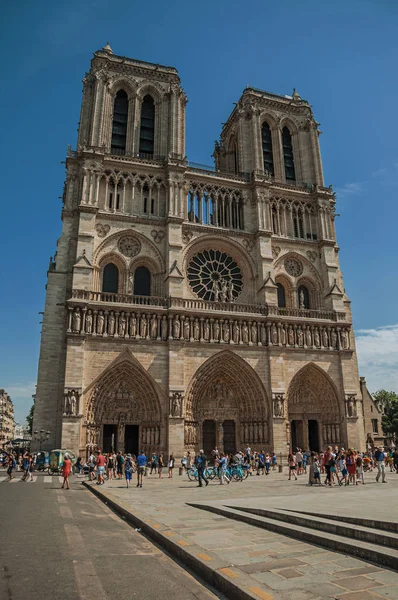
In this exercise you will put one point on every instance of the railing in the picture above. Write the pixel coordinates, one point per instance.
(329, 315)
(205, 305)
(120, 298)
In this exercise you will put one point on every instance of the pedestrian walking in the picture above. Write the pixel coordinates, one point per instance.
(160, 465)
(11, 464)
(100, 463)
(91, 467)
(274, 461)
(267, 462)
(25, 467)
(379, 458)
(141, 464)
(66, 469)
(359, 467)
(109, 466)
(170, 465)
(292, 466)
(154, 463)
(222, 469)
(120, 463)
(31, 467)
(201, 464)
(128, 469)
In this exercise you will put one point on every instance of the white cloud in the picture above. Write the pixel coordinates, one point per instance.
(378, 357)
(349, 189)
(20, 390)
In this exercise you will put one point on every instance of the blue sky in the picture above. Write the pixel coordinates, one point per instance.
(341, 56)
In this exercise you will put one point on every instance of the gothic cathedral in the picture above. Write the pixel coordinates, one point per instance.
(191, 306)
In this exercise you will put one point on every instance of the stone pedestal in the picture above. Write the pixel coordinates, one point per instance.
(281, 436)
(176, 436)
(71, 433)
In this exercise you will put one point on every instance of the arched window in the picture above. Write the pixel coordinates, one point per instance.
(147, 131)
(303, 297)
(119, 123)
(142, 282)
(281, 296)
(288, 157)
(110, 279)
(268, 157)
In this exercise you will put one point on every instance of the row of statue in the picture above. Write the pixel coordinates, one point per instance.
(153, 326)
(331, 434)
(252, 432)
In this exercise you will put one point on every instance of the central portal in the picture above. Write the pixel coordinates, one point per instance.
(131, 439)
(229, 441)
(209, 436)
(109, 438)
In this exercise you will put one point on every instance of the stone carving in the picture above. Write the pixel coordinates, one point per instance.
(279, 410)
(333, 338)
(102, 230)
(290, 336)
(122, 325)
(311, 391)
(276, 250)
(176, 404)
(245, 333)
(111, 324)
(344, 339)
(302, 300)
(300, 337)
(100, 323)
(325, 339)
(206, 330)
(187, 236)
(308, 338)
(154, 327)
(293, 267)
(76, 321)
(214, 275)
(248, 244)
(163, 328)
(274, 335)
(176, 328)
(282, 335)
(236, 333)
(71, 403)
(317, 340)
(225, 328)
(216, 330)
(157, 235)
(254, 333)
(196, 332)
(129, 245)
(133, 326)
(311, 255)
(351, 406)
(186, 328)
(89, 322)
(143, 326)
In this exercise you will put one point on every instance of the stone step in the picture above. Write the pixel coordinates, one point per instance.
(371, 523)
(322, 523)
(337, 543)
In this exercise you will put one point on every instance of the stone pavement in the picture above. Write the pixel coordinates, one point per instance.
(264, 564)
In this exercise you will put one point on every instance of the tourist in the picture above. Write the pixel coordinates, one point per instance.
(395, 457)
(359, 469)
(160, 465)
(78, 465)
(25, 466)
(11, 464)
(91, 467)
(66, 469)
(201, 465)
(109, 466)
(128, 469)
(141, 464)
(222, 469)
(184, 462)
(379, 458)
(170, 465)
(215, 453)
(351, 466)
(333, 470)
(189, 460)
(119, 463)
(341, 464)
(315, 470)
(326, 459)
(267, 462)
(114, 464)
(154, 463)
(100, 464)
(292, 466)
(260, 462)
(390, 460)
(299, 461)
(274, 461)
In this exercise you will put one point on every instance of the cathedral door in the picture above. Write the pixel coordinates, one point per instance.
(109, 438)
(209, 436)
(297, 435)
(313, 435)
(131, 438)
(229, 437)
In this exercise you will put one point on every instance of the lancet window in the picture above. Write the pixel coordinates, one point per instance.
(147, 129)
(215, 206)
(110, 279)
(119, 123)
(288, 156)
(268, 158)
(142, 282)
(281, 295)
(293, 219)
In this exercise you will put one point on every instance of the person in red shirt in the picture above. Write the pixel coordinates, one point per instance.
(100, 462)
(66, 469)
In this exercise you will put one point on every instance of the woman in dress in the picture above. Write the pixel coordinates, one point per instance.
(66, 469)
(171, 466)
(109, 466)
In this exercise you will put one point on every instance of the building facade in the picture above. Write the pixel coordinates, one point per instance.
(7, 423)
(191, 306)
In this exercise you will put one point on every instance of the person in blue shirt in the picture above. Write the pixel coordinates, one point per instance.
(379, 458)
(141, 464)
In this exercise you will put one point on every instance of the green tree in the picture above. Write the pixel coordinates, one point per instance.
(388, 401)
(29, 418)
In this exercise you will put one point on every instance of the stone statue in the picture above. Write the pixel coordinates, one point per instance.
(317, 340)
(236, 332)
(300, 337)
(350, 407)
(290, 336)
(111, 324)
(308, 337)
(225, 328)
(224, 290)
(278, 405)
(216, 290)
(302, 299)
(89, 322)
(216, 330)
(186, 328)
(133, 326)
(344, 339)
(163, 328)
(325, 339)
(274, 334)
(231, 291)
(333, 336)
(154, 327)
(122, 325)
(254, 333)
(283, 335)
(176, 404)
(176, 328)
(143, 326)
(245, 333)
(196, 330)
(263, 334)
(100, 323)
(77, 319)
(73, 403)
(206, 330)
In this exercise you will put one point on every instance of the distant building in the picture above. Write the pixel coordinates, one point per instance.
(21, 432)
(191, 306)
(7, 424)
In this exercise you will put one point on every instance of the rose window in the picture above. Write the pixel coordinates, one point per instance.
(215, 276)
(129, 246)
(293, 267)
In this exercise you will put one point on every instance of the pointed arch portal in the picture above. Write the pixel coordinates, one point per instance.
(226, 406)
(313, 410)
(123, 411)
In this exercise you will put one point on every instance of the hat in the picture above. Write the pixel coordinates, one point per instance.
(128, 455)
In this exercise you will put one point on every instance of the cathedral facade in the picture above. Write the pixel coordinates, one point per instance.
(191, 306)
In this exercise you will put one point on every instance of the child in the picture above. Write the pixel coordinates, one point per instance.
(359, 465)
(317, 471)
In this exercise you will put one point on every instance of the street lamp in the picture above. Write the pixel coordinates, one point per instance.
(41, 436)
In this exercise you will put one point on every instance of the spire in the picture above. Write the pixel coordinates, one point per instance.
(295, 95)
(107, 48)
